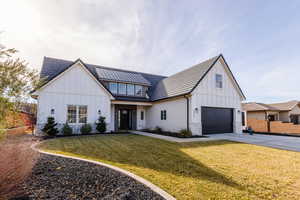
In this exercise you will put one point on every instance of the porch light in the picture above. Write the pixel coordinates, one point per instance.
(196, 109)
(52, 111)
(99, 112)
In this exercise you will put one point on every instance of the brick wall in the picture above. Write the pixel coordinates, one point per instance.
(257, 125)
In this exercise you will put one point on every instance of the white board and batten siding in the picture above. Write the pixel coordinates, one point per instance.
(208, 95)
(73, 87)
(176, 115)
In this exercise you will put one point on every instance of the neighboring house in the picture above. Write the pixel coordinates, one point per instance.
(285, 112)
(205, 98)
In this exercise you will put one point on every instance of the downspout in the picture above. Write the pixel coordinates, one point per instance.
(187, 113)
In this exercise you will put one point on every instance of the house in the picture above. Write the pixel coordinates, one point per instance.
(205, 98)
(285, 111)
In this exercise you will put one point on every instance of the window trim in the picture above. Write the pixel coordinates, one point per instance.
(77, 118)
(219, 83)
(163, 115)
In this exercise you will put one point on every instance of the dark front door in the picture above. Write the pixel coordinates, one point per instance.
(217, 120)
(124, 119)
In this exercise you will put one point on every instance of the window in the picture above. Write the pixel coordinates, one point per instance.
(130, 89)
(76, 114)
(138, 90)
(82, 114)
(219, 82)
(113, 88)
(122, 88)
(142, 115)
(163, 115)
(71, 116)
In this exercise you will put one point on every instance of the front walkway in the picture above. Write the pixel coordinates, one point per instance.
(279, 142)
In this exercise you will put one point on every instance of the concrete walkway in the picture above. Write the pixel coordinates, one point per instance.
(279, 142)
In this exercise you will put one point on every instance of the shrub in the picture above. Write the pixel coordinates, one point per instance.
(16, 162)
(158, 129)
(185, 133)
(67, 130)
(101, 125)
(50, 127)
(86, 129)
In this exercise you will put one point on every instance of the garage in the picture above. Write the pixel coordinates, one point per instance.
(216, 120)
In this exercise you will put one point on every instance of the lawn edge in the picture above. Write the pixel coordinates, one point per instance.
(148, 184)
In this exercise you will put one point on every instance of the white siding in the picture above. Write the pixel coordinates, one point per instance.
(207, 94)
(74, 87)
(141, 124)
(176, 115)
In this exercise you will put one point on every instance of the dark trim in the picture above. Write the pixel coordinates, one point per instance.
(210, 67)
(232, 75)
(180, 95)
(77, 60)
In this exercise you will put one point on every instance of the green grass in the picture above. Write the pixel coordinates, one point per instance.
(199, 170)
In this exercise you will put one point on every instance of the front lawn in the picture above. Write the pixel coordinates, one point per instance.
(199, 170)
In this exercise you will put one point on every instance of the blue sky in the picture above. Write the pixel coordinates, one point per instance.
(259, 39)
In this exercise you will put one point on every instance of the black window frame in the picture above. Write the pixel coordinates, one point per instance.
(142, 115)
(163, 115)
(219, 81)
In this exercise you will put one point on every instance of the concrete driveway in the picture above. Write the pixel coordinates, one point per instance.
(280, 142)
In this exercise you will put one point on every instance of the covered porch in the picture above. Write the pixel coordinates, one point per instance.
(127, 115)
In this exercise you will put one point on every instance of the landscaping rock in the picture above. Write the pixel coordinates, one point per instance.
(64, 178)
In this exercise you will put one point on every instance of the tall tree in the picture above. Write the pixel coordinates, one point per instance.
(16, 81)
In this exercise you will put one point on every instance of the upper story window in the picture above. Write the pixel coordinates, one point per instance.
(127, 89)
(130, 89)
(219, 81)
(122, 89)
(138, 90)
(113, 87)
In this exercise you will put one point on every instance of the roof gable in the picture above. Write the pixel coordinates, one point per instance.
(186, 81)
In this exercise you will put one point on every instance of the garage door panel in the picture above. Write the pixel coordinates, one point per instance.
(216, 120)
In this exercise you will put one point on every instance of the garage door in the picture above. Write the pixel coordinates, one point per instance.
(216, 120)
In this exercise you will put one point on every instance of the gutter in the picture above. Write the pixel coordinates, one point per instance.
(187, 113)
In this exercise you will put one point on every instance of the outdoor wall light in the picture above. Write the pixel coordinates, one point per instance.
(196, 109)
(52, 111)
(99, 112)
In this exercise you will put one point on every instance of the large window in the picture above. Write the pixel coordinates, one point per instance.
(138, 90)
(76, 114)
(122, 88)
(219, 82)
(113, 87)
(130, 89)
(127, 89)
(71, 116)
(82, 114)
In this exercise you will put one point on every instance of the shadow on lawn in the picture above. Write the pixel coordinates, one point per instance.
(148, 153)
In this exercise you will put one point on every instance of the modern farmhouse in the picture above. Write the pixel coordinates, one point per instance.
(204, 99)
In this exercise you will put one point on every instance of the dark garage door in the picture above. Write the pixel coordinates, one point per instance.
(216, 120)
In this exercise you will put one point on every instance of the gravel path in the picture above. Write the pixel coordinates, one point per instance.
(63, 178)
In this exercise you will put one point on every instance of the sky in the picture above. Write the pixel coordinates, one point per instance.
(259, 39)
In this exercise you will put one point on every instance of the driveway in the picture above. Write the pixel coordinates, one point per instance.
(280, 142)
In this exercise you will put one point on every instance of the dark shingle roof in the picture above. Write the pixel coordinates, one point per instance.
(160, 87)
(182, 82)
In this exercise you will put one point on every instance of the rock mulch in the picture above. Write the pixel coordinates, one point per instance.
(64, 178)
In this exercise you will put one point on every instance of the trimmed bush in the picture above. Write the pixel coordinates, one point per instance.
(158, 129)
(101, 125)
(185, 133)
(66, 129)
(86, 129)
(50, 127)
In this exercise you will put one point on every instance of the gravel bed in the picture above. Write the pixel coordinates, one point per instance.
(64, 178)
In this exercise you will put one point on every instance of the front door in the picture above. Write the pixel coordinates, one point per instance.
(125, 119)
